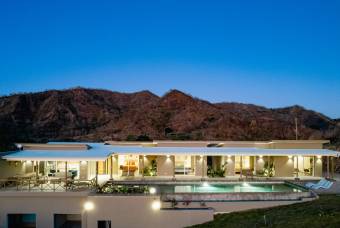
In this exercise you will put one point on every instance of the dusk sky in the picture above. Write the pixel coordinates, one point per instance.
(271, 53)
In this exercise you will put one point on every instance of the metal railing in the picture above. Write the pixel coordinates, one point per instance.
(46, 184)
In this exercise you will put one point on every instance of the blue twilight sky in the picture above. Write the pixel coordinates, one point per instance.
(271, 53)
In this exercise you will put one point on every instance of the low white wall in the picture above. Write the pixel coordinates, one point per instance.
(123, 211)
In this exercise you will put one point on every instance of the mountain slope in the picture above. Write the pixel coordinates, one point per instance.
(95, 115)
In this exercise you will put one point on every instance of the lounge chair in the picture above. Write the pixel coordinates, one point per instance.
(311, 184)
(327, 185)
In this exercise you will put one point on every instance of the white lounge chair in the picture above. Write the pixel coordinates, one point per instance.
(320, 183)
(324, 186)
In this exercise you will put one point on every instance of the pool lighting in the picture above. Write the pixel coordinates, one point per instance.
(88, 206)
(156, 205)
(152, 190)
(245, 184)
(205, 184)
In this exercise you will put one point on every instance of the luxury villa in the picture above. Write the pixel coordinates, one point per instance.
(159, 183)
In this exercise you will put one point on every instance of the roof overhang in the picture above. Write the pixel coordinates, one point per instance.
(220, 151)
(55, 155)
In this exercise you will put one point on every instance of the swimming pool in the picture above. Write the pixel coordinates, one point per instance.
(225, 188)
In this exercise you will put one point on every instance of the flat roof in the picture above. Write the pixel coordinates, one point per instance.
(100, 152)
(219, 151)
(97, 152)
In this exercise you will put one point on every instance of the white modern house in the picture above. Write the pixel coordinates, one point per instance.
(53, 184)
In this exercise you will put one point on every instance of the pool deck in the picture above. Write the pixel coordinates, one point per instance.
(230, 179)
(335, 189)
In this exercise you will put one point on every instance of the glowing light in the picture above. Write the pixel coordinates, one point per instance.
(88, 206)
(319, 156)
(152, 190)
(290, 156)
(245, 184)
(168, 156)
(83, 162)
(261, 156)
(156, 205)
(205, 184)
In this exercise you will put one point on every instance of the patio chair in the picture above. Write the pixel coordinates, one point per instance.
(326, 185)
(311, 184)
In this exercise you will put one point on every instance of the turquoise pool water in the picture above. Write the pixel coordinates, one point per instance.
(225, 188)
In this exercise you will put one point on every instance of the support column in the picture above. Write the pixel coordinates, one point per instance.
(66, 171)
(173, 168)
(36, 169)
(66, 175)
(332, 167)
(128, 165)
(202, 161)
(96, 173)
(255, 164)
(143, 158)
(328, 167)
(313, 166)
(241, 166)
(297, 167)
(111, 170)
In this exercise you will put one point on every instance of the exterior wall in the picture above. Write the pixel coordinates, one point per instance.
(43, 205)
(9, 169)
(198, 165)
(318, 167)
(299, 144)
(229, 166)
(165, 165)
(259, 163)
(282, 144)
(216, 162)
(284, 166)
(123, 211)
(115, 167)
(83, 175)
(135, 211)
(91, 169)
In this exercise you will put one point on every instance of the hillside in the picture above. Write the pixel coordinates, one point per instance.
(97, 115)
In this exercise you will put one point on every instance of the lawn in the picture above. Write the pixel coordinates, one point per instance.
(323, 212)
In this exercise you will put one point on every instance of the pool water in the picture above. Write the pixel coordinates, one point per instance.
(225, 188)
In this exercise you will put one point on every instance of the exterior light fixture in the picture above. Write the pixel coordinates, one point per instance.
(319, 156)
(205, 184)
(245, 184)
(152, 190)
(168, 156)
(88, 206)
(156, 205)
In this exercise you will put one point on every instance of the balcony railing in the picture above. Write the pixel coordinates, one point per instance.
(46, 184)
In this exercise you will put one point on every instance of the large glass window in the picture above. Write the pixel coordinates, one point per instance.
(128, 164)
(104, 224)
(304, 165)
(184, 165)
(245, 163)
(67, 221)
(21, 220)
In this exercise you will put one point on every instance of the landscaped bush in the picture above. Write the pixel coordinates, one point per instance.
(123, 189)
(152, 170)
(219, 172)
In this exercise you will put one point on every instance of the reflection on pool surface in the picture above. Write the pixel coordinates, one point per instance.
(224, 188)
